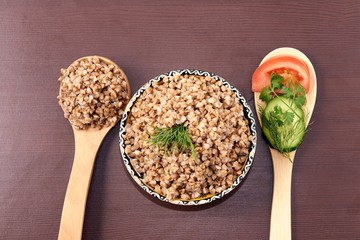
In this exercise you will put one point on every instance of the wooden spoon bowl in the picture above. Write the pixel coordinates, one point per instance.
(108, 61)
(87, 143)
(280, 224)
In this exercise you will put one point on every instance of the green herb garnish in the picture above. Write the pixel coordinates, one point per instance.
(172, 138)
(283, 119)
(289, 89)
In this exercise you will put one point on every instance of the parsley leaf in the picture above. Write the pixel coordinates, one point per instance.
(276, 81)
(300, 100)
(279, 87)
(265, 95)
(288, 117)
(288, 93)
(278, 110)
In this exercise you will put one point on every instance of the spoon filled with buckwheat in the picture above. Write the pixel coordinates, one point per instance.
(93, 94)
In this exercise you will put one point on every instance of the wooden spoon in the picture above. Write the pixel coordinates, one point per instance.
(280, 224)
(87, 143)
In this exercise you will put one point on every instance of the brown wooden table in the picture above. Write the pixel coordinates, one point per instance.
(147, 38)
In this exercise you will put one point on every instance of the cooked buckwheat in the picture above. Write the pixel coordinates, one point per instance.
(93, 93)
(215, 121)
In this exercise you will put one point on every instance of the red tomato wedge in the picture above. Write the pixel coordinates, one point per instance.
(291, 68)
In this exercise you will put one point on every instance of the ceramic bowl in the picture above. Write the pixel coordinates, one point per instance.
(209, 198)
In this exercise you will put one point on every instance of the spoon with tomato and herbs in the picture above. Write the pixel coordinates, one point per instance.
(284, 87)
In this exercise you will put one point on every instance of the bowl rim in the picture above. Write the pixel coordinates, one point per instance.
(208, 198)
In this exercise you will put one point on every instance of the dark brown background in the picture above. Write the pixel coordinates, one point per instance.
(147, 38)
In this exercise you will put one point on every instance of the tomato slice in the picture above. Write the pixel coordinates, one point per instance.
(291, 68)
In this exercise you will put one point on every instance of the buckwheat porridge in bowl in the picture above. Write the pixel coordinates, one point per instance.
(188, 137)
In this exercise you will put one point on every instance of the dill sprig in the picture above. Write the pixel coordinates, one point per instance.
(172, 138)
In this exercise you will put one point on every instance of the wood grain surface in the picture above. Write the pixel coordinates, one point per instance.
(147, 38)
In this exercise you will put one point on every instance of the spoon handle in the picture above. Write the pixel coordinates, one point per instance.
(280, 223)
(86, 147)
